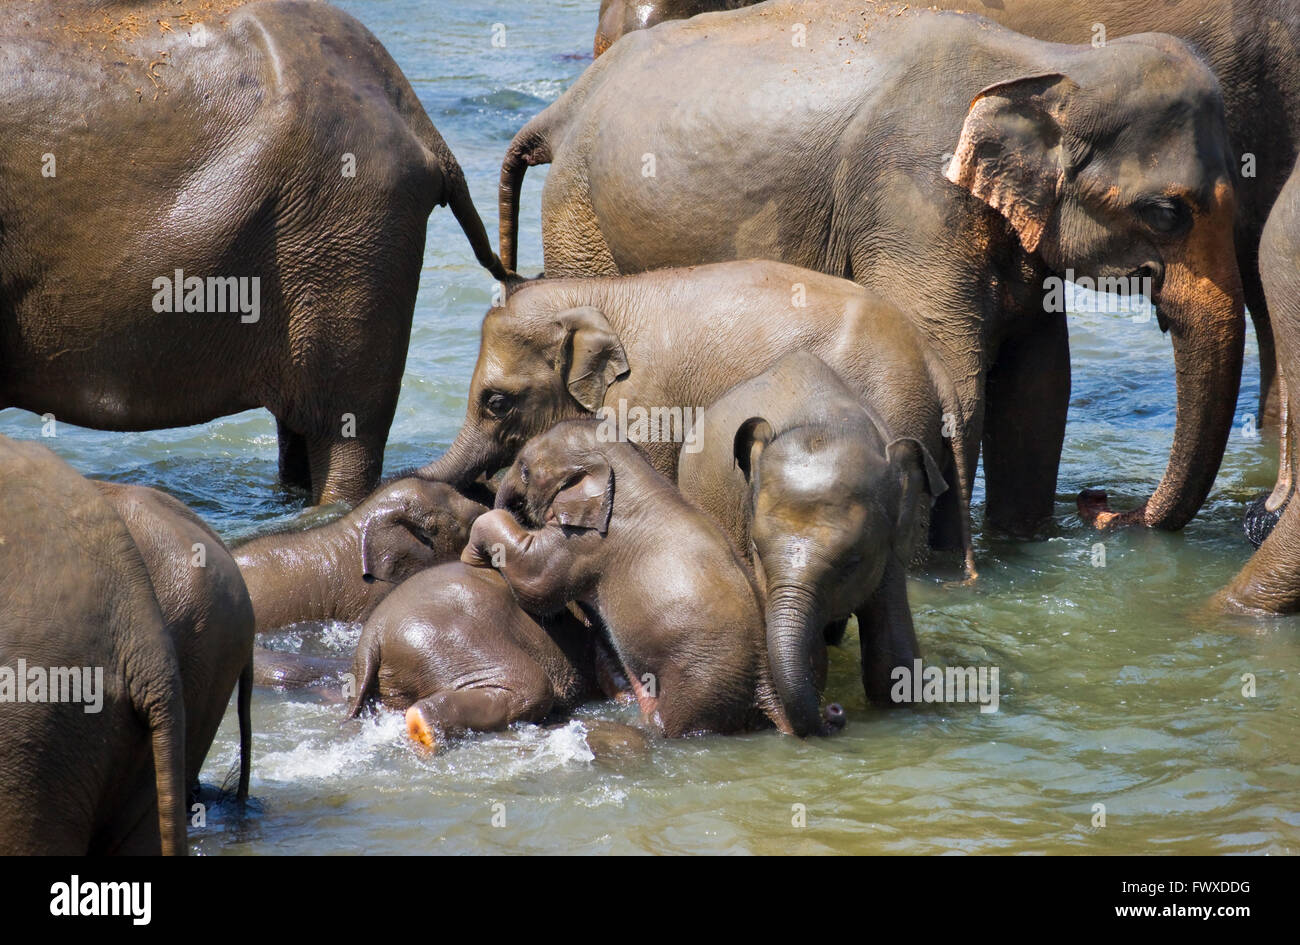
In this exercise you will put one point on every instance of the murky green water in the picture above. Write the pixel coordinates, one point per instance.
(1116, 688)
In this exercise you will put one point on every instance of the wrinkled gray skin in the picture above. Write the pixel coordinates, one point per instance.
(225, 159)
(206, 610)
(827, 506)
(563, 348)
(580, 520)
(98, 576)
(623, 16)
(453, 649)
(1270, 581)
(950, 165)
(342, 570)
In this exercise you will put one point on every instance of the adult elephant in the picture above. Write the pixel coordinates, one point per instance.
(623, 16)
(1270, 581)
(950, 165)
(1253, 46)
(206, 209)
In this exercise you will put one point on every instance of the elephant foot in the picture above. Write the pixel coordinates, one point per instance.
(1094, 509)
(1259, 520)
(420, 730)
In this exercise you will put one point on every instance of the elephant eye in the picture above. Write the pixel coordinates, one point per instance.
(1164, 216)
(498, 403)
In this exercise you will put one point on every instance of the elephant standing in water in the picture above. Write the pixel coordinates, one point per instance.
(826, 505)
(208, 210)
(127, 647)
(954, 167)
(1270, 581)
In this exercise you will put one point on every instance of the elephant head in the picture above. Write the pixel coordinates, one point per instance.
(553, 483)
(830, 509)
(532, 372)
(410, 525)
(1122, 171)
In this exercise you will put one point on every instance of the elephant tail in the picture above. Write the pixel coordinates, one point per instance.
(158, 699)
(530, 147)
(245, 706)
(456, 191)
(366, 669)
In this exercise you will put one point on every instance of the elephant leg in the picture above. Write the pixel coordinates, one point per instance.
(1270, 389)
(1027, 396)
(886, 634)
(1285, 474)
(295, 471)
(448, 715)
(345, 468)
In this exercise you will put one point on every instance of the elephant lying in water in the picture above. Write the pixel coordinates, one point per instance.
(129, 582)
(342, 570)
(255, 240)
(453, 649)
(582, 520)
(958, 169)
(623, 16)
(826, 504)
(568, 348)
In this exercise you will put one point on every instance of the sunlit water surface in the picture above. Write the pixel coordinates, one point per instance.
(1116, 689)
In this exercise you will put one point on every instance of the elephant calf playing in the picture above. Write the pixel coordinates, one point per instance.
(827, 505)
(342, 570)
(578, 519)
(453, 649)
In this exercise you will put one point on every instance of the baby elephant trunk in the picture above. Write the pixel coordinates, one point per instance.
(796, 649)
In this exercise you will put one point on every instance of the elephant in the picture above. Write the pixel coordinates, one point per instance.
(343, 569)
(825, 504)
(582, 520)
(623, 16)
(453, 649)
(959, 170)
(124, 631)
(206, 610)
(569, 348)
(1269, 583)
(208, 211)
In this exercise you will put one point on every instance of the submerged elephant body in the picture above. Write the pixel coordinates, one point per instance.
(952, 166)
(102, 577)
(827, 505)
(452, 648)
(254, 241)
(342, 570)
(581, 520)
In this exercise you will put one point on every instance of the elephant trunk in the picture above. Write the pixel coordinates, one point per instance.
(470, 455)
(1203, 305)
(794, 629)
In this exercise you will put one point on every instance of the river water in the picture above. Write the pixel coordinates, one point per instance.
(1116, 688)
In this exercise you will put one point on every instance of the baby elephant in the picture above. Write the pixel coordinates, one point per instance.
(341, 571)
(604, 529)
(828, 507)
(452, 647)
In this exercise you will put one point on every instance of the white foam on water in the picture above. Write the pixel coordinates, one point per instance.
(331, 756)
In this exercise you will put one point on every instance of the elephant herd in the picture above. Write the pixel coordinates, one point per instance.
(795, 267)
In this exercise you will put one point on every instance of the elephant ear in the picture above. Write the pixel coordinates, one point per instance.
(379, 563)
(1011, 155)
(588, 502)
(917, 474)
(592, 355)
(752, 438)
